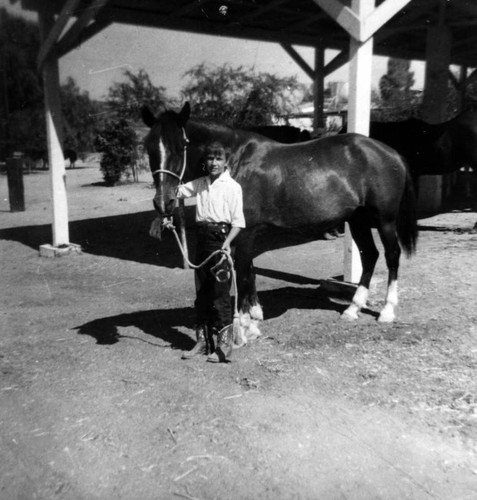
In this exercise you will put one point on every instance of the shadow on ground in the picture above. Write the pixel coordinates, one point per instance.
(164, 324)
(127, 237)
(120, 236)
(159, 323)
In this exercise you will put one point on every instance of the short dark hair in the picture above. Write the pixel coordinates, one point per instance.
(215, 146)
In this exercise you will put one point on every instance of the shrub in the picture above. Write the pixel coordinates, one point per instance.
(117, 142)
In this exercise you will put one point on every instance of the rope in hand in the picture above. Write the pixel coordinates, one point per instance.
(167, 224)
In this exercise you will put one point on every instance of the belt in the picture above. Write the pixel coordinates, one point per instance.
(220, 226)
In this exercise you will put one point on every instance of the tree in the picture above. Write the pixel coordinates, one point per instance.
(21, 104)
(127, 98)
(395, 88)
(117, 142)
(80, 115)
(238, 96)
(398, 80)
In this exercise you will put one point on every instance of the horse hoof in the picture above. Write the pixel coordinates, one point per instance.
(240, 339)
(386, 318)
(253, 331)
(349, 315)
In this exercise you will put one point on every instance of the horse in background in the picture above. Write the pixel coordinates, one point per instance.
(41, 155)
(432, 149)
(285, 134)
(303, 189)
(71, 155)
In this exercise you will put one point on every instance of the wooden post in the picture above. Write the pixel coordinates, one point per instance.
(359, 106)
(319, 90)
(51, 84)
(16, 192)
(434, 104)
(361, 21)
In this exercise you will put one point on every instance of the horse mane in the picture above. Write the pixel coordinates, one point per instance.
(215, 125)
(205, 130)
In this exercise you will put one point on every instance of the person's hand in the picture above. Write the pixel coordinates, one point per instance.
(156, 228)
(226, 247)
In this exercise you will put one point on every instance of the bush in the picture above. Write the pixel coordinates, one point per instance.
(117, 142)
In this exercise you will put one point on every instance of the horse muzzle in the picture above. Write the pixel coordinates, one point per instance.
(164, 208)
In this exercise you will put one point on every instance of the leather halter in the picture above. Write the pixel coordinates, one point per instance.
(184, 163)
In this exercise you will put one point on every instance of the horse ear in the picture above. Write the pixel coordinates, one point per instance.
(147, 117)
(184, 114)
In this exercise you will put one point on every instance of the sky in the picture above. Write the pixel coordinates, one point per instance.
(166, 55)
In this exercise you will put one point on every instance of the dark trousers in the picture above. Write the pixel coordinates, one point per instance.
(212, 304)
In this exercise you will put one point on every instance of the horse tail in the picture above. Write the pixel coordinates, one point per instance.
(407, 217)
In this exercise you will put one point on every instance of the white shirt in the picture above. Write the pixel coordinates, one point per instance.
(218, 201)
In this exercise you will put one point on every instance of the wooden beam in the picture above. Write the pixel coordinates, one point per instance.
(361, 29)
(343, 15)
(51, 83)
(359, 106)
(433, 108)
(65, 46)
(299, 60)
(205, 27)
(55, 31)
(73, 34)
(380, 16)
(339, 60)
(319, 90)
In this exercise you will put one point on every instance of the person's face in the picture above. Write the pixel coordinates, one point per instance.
(215, 162)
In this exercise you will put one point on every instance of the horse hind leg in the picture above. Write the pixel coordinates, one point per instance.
(392, 251)
(251, 314)
(250, 310)
(363, 237)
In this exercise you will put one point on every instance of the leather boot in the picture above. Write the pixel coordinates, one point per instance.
(211, 332)
(200, 346)
(223, 350)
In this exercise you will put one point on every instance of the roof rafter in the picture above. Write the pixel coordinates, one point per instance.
(55, 32)
(89, 32)
(73, 34)
(299, 60)
(129, 16)
(307, 23)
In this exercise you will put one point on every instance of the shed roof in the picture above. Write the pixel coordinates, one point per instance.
(295, 22)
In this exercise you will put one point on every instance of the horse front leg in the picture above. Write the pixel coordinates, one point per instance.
(250, 310)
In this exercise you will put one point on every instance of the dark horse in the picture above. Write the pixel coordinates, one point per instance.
(306, 188)
(71, 155)
(432, 149)
(282, 133)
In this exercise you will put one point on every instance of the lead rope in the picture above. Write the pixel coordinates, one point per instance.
(238, 338)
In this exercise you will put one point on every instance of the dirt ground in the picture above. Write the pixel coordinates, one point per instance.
(95, 401)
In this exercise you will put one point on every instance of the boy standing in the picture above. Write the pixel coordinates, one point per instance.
(219, 217)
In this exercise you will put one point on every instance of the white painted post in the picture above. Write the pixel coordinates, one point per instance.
(359, 106)
(51, 82)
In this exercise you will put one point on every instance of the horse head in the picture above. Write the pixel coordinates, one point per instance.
(166, 145)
